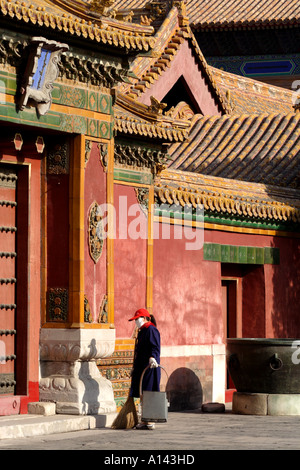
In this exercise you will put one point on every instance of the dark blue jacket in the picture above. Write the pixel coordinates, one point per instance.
(147, 345)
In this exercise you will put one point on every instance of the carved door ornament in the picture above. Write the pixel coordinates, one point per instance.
(41, 71)
(58, 304)
(103, 312)
(87, 311)
(142, 195)
(96, 232)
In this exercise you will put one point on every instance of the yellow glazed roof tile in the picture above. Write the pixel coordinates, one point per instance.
(263, 148)
(252, 96)
(218, 14)
(226, 197)
(79, 22)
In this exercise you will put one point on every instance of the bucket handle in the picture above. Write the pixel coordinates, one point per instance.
(275, 362)
(142, 376)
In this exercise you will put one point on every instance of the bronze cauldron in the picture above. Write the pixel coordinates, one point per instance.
(264, 365)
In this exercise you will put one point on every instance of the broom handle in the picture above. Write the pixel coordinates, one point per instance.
(142, 376)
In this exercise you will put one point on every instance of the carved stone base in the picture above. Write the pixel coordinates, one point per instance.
(69, 373)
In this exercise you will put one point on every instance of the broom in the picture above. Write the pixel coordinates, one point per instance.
(127, 417)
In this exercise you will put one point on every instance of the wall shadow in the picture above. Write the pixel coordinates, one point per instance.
(90, 397)
(184, 390)
(285, 288)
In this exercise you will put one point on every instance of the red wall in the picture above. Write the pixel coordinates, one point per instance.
(187, 299)
(94, 273)
(280, 293)
(283, 290)
(130, 265)
(186, 294)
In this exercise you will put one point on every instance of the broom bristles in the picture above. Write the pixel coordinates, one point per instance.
(127, 417)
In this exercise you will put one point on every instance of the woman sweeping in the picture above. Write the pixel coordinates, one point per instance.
(146, 353)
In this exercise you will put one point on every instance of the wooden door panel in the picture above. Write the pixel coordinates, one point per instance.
(8, 206)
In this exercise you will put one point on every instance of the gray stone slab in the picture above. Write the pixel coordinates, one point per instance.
(42, 408)
(284, 404)
(250, 403)
(20, 426)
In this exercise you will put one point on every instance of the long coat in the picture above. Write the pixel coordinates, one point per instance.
(147, 345)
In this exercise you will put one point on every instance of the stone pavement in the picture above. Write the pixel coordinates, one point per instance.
(187, 432)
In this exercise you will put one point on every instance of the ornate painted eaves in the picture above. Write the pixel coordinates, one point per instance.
(136, 119)
(66, 17)
(74, 64)
(228, 200)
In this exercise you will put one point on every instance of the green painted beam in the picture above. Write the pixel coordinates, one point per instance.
(131, 176)
(70, 123)
(232, 222)
(240, 254)
(76, 96)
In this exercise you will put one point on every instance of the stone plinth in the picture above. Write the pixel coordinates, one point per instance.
(42, 408)
(69, 374)
(266, 404)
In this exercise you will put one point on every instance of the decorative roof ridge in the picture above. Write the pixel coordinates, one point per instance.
(147, 121)
(242, 193)
(104, 33)
(217, 184)
(224, 101)
(176, 25)
(150, 130)
(237, 116)
(222, 199)
(149, 73)
(248, 82)
(137, 108)
(182, 111)
(170, 22)
(151, 112)
(79, 8)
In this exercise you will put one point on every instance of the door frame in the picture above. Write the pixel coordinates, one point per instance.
(21, 274)
(232, 318)
(236, 291)
(28, 273)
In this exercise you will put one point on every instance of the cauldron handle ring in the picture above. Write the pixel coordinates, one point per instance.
(275, 362)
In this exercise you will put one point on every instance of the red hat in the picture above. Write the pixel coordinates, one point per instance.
(142, 312)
